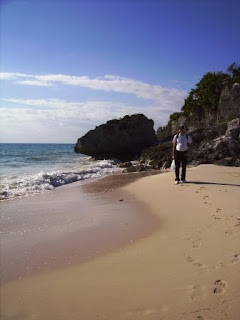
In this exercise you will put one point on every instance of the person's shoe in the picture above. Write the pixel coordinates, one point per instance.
(176, 181)
(184, 181)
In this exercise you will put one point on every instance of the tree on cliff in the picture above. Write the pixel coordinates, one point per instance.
(234, 73)
(205, 96)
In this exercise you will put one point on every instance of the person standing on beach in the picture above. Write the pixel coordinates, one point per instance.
(181, 142)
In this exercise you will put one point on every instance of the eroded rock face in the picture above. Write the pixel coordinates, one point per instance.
(227, 109)
(123, 139)
(219, 144)
(229, 104)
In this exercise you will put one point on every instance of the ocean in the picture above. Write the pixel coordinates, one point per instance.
(27, 169)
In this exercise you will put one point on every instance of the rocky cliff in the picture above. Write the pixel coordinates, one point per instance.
(229, 103)
(227, 109)
(215, 135)
(123, 139)
(219, 144)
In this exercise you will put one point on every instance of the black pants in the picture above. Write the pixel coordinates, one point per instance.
(180, 159)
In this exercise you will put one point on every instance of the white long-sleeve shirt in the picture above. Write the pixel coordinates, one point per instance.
(182, 141)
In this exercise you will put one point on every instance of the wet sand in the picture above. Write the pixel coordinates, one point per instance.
(69, 225)
(187, 267)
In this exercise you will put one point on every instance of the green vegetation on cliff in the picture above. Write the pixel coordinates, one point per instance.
(234, 73)
(205, 96)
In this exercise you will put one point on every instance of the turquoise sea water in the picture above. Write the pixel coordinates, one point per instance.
(34, 168)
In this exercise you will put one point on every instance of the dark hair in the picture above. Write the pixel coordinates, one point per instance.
(181, 127)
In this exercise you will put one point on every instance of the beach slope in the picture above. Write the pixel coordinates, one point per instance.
(188, 268)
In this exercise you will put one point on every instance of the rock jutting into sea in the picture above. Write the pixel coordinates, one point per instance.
(123, 139)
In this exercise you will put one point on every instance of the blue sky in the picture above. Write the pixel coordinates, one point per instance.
(68, 66)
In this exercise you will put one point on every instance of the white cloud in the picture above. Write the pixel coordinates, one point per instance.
(73, 114)
(69, 120)
(106, 83)
(35, 83)
(91, 109)
(12, 76)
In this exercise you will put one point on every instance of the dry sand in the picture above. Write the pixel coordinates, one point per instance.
(188, 267)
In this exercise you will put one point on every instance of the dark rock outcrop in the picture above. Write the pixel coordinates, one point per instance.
(159, 157)
(123, 139)
(134, 166)
(219, 144)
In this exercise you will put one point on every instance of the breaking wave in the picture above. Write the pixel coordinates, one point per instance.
(26, 184)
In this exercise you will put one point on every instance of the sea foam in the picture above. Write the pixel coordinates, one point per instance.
(27, 184)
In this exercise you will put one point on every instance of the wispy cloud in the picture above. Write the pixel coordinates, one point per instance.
(35, 83)
(31, 119)
(36, 116)
(106, 83)
(19, 117)
(12, 76)
(94, 111)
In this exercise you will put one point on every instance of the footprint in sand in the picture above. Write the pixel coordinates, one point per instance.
(232, 229)
(218, 210)
(189, 259)
(236, 258)
(200, 189)
(228, 232)
(238, 223)
(205, 197)
(220, 286)
(205, 202)
(200, 318)
(195, 262)
(199, 264)
(196, 243)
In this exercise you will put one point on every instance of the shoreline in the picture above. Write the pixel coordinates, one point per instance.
(70, 225)
(187, 269)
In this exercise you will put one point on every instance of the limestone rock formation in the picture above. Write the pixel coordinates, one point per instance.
(219, 144)
(215, 135)
(229, 104)
(227, 109)
(123, 139)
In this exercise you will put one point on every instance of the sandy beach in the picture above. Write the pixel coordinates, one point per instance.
(140, 249)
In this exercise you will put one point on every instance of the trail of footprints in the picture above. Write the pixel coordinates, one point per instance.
(220, 286)
(205, 197)
(218, 215)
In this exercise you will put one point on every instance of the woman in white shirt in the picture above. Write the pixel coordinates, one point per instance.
(181, 142)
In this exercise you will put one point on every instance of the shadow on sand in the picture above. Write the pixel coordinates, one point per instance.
(215, 183)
